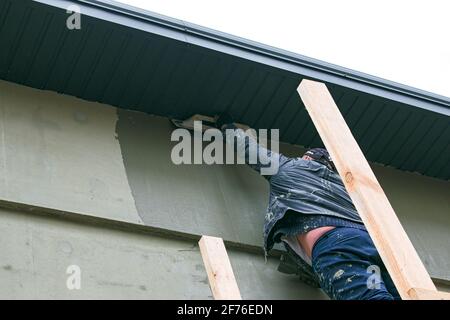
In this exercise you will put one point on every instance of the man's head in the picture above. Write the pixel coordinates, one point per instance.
(320, 155)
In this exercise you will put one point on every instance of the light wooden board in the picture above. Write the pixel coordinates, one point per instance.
(424, 294)
(391, 240)
(218, 267)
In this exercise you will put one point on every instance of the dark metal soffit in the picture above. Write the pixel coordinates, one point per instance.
(136, 60)
(144, 20)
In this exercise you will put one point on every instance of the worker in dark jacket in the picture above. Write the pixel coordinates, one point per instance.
(311, 213)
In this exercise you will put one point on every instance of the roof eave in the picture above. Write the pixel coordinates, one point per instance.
(281, 59)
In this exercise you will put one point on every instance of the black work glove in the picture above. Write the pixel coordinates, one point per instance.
(223, 120)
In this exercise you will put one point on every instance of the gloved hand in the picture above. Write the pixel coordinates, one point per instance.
(223, 119)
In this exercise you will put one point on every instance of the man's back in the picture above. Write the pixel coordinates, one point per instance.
(310, 188)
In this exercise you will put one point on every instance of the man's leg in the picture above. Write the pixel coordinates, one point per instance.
(349, 267)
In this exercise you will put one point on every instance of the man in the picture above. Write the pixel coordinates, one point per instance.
(311, 213)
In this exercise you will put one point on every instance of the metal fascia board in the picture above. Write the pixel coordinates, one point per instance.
(215, 40)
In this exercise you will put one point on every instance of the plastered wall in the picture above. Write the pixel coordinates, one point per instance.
(89, 159)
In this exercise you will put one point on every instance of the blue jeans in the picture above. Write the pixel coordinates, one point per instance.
(349, 267)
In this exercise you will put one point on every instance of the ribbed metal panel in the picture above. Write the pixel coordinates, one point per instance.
(133, 69)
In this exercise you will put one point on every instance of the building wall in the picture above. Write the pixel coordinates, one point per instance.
(62, 154)
(36, 251)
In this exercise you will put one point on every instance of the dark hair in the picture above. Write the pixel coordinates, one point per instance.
(322, 156)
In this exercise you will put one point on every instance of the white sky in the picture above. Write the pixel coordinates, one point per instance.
(407, 41)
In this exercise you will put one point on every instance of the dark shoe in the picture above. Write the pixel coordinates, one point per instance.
(291, 264)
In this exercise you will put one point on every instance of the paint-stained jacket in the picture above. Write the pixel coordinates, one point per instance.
(301, 185)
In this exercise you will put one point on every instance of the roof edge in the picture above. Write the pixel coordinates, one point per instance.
(258, 52)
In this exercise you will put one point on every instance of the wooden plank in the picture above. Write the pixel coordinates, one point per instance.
(391, 240)
(424, 294)
(218, 267)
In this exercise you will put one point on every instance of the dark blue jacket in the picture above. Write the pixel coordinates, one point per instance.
(301, 185)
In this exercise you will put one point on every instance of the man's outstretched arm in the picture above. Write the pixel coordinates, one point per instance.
(249, 151)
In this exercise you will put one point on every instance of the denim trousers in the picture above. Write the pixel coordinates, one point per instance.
(349, 267)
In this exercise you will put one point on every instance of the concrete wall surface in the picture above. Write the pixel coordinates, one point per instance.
(37, 250)
(92, 160)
